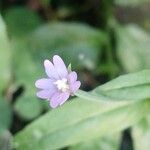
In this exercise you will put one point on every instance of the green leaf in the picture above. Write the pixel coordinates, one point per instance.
(55, 38)
(133, 48)
(4, 56)
(5, 140)
(21, 21)
(85, 120)
(5, 115)
(111, 142)
(26, 72)
(77, 44)
(25, 69)
(73, 42)
(130, 2)
(128, 80)
(28, 107)
(78, 121)
(141, 134)
(134, 86)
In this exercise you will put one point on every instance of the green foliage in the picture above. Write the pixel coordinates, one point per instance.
(4, 57)
(141, 134)
(5, 140)
(76, 43)
(105, 143)
(130, 2)
(122, 88)
(21, 20)
(26, 71)
(133, 56)
(25, 107)
(84, 120)
(87, 36)
(61, 132)
(73, 41)
(5, 115)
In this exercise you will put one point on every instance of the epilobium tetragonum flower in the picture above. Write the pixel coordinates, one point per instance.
(60, 83)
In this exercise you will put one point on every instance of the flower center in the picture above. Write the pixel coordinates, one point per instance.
(62, 85)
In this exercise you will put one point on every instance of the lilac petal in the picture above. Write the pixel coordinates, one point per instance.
(65, 97)
(75, 86)
(44, 84)
(60, 66)
(58, 99)
(54, 102)
(72, 77)
(45, 94)
(50, 70)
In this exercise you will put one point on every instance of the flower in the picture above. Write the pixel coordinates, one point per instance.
(60, 83)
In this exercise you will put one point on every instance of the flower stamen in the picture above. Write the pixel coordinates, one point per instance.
(62, 85)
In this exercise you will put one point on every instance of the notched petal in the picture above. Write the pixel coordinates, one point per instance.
(59, 99)
(75, 86)
(54, 101)
(44, 84)
(65, 97)
(43, 94)
(72, 77)
(60, 66)
(50, 70)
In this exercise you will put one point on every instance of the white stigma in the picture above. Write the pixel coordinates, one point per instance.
(62, 85)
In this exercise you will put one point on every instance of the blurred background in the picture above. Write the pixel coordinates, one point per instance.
(101, 38)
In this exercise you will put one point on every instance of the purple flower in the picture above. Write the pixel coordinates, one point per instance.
(59, 84)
